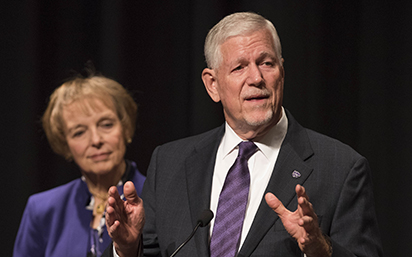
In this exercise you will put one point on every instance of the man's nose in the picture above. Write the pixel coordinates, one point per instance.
(255, 76)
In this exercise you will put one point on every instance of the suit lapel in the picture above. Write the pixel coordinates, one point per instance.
(199, 173)
(293, 153)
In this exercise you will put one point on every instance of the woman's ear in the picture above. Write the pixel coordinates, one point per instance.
(211, 85)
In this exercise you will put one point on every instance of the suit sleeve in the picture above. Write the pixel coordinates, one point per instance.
(354, 230)
(109, 251)
(150, 237)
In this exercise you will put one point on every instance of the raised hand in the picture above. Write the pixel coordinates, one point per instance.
(302, 224)
(125, 220)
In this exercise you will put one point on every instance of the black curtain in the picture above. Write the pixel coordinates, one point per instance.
(347, 75)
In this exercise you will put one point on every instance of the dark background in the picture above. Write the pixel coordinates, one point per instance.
(348, 75)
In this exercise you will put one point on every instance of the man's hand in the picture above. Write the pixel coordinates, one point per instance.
(302, 224)
(125, 220)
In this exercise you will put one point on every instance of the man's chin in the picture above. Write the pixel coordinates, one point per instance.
(259, 119)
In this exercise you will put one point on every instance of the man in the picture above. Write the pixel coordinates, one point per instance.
(288, 164)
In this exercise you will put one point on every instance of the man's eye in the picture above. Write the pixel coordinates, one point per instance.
(268, 63)
(237, 68)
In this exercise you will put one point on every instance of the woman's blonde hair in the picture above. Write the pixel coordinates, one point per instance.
(99, 87)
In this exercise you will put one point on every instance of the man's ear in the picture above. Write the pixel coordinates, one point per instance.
(210, 82)
(282, 68)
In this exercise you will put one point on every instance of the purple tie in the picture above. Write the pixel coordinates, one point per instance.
(232, 205)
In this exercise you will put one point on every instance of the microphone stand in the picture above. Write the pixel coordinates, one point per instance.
(205, 217)
(187, 240)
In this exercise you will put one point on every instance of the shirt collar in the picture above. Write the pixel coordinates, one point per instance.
(267, 144)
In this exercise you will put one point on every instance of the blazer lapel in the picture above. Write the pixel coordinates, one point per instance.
(199, 173)
(293, 153)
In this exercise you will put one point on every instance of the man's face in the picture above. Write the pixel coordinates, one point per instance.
(249, 82)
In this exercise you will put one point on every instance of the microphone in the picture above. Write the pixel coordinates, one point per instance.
(205, 217)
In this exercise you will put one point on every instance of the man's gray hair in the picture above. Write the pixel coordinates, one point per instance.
(237, 24)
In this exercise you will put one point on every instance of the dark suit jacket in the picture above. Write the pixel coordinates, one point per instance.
(336, 178)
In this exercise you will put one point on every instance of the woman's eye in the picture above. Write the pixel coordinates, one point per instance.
(77, 133)
(107, 125)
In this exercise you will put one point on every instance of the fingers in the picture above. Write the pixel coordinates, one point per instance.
(305, 206)
(275, 204)
(301, 191)
(301, 224)
(114, 199)
(309, 219)
(113, 192)
(111, 221)
(307, 222)
(111, 230)
(114, 208)
(110, 206)
(110, 212)
(130, 193)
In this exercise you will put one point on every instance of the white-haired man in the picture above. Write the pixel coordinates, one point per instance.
(270, 214)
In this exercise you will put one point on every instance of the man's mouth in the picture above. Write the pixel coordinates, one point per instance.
(256, 97)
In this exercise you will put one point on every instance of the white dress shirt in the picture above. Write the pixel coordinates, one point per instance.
(261, 165)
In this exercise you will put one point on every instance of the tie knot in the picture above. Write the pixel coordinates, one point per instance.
(246, 149)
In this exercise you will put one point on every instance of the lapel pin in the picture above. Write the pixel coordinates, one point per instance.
(296, 174)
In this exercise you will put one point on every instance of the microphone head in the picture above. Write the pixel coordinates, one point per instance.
(205, 217)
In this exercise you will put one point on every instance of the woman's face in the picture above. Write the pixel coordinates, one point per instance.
(94, 136)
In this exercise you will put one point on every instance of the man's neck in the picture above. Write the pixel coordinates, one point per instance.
(248, 132)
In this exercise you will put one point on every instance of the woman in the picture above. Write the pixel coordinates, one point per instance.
(88, 120)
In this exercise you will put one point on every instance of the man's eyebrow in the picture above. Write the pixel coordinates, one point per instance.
(239, 60)
(265, 54)
(262, 55)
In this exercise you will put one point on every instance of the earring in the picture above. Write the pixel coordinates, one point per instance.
(129, 140)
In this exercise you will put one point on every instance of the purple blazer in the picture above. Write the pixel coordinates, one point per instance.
(57, 223)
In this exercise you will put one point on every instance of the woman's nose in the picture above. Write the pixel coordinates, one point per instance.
(96, 138)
